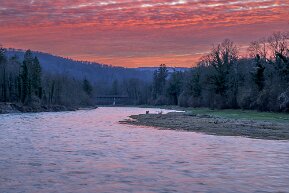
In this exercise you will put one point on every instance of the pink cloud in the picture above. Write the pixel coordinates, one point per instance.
(126, 32)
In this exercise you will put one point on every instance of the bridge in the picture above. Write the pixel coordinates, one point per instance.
(112, 99)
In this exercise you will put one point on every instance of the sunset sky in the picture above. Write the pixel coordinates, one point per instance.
(137, 33)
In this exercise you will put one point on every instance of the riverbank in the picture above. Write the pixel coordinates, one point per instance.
(6, 108)
(273, 126)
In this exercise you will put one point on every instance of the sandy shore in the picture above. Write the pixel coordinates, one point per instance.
(214, 125)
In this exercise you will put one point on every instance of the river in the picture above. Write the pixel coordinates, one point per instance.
(90, 151)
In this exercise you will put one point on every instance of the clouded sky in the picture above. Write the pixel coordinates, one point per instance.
(137, 33)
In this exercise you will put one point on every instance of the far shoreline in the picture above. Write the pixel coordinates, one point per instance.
(12, 108)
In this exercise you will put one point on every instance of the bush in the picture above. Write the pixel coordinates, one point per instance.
(283, 101)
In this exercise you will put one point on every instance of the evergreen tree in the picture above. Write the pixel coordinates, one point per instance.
(222, 59)
(24, 83)
(36, 78)
(193, 85)
(159, 82)
(3, 65)
(27, 69)
(87, 87)
(175, 86)
(162, 77)
(258, 75)
(155, 85)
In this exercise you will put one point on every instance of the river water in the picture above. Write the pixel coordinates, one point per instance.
(89, 151)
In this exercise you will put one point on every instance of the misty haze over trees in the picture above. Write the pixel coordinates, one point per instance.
(222, 79)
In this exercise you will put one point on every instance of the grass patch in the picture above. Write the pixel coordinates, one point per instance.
(242, 114)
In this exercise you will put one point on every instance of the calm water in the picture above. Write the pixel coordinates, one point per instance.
(89, 151)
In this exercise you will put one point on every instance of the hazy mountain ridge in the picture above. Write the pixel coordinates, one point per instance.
(93, 71)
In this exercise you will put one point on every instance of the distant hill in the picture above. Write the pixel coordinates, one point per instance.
(94, 72)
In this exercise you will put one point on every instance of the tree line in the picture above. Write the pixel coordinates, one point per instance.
(23, 82)
(223, 78)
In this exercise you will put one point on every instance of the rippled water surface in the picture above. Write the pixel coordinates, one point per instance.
(89, 151)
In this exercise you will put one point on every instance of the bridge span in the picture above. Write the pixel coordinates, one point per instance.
(112, 99)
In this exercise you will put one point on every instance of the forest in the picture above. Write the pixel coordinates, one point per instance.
(224, 78)
(23, 82)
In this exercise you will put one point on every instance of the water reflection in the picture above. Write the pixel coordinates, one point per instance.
(89, 151)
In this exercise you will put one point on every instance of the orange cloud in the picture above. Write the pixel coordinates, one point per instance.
(136, 33)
